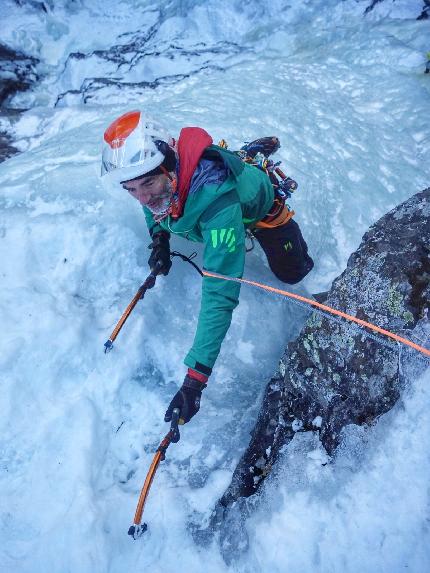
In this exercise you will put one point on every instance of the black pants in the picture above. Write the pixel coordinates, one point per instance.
(286, 251)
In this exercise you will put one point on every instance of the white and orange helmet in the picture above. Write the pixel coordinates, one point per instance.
(131, 147)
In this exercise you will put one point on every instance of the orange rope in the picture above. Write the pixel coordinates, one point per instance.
(329, 309)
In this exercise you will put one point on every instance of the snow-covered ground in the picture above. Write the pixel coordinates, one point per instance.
(348, 98)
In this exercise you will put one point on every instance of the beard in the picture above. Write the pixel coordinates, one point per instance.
(159, 206)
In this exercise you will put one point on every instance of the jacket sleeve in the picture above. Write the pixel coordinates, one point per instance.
(224, 252)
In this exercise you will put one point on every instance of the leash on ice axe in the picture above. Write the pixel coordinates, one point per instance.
(148, 284)
(172, 437)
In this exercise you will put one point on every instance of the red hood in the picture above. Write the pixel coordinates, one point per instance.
(191, 144)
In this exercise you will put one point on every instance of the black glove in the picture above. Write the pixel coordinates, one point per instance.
(160, 256)
(187, 399)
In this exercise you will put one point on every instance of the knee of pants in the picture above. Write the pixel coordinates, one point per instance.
(293, 275)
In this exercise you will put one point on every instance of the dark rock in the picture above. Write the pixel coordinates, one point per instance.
(6, 147)
(35, 4)
(321, 297)
(372, 5)
(336, 374)
(124, 63)
(8, 117)
(142, 61)
(425, 11)
(17, 73)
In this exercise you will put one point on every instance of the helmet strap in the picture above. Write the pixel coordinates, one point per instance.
(165, 172)
(172, 179)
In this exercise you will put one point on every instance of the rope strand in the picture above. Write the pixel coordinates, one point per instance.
(324, 309)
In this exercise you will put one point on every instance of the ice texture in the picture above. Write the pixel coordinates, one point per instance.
(347, 97)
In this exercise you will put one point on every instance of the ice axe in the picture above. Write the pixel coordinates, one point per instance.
(138, 528)
(148, 284)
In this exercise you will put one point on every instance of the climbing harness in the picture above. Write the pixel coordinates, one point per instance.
(172, 437)
(279, 215)
(256, 153)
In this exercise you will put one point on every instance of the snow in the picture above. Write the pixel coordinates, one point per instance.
(368, 511)
(348, 98)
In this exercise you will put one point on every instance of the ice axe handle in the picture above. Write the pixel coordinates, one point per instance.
(151, 278)
(149, 282)
(155, 271)
(174, 426)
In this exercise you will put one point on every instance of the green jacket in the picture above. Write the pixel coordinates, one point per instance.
(217, 215)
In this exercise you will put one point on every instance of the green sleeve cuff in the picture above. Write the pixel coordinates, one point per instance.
(196, 365)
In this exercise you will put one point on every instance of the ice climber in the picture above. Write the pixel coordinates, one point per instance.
(205, 193)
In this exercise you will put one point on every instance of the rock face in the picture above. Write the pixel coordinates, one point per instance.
(425, 11)
(334, 374)
(143, 62)
(6, 147)
(18, 73)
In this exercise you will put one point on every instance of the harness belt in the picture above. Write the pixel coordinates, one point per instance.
(278, 215)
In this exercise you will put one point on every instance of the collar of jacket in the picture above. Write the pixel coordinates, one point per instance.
(191, 144)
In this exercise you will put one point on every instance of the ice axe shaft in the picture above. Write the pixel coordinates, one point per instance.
(148, 284)
(173, 436)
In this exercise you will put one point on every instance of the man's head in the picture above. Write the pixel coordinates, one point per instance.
(152, 191)
(138, 155)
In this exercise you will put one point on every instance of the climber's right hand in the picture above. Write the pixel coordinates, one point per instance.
(159, 260)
